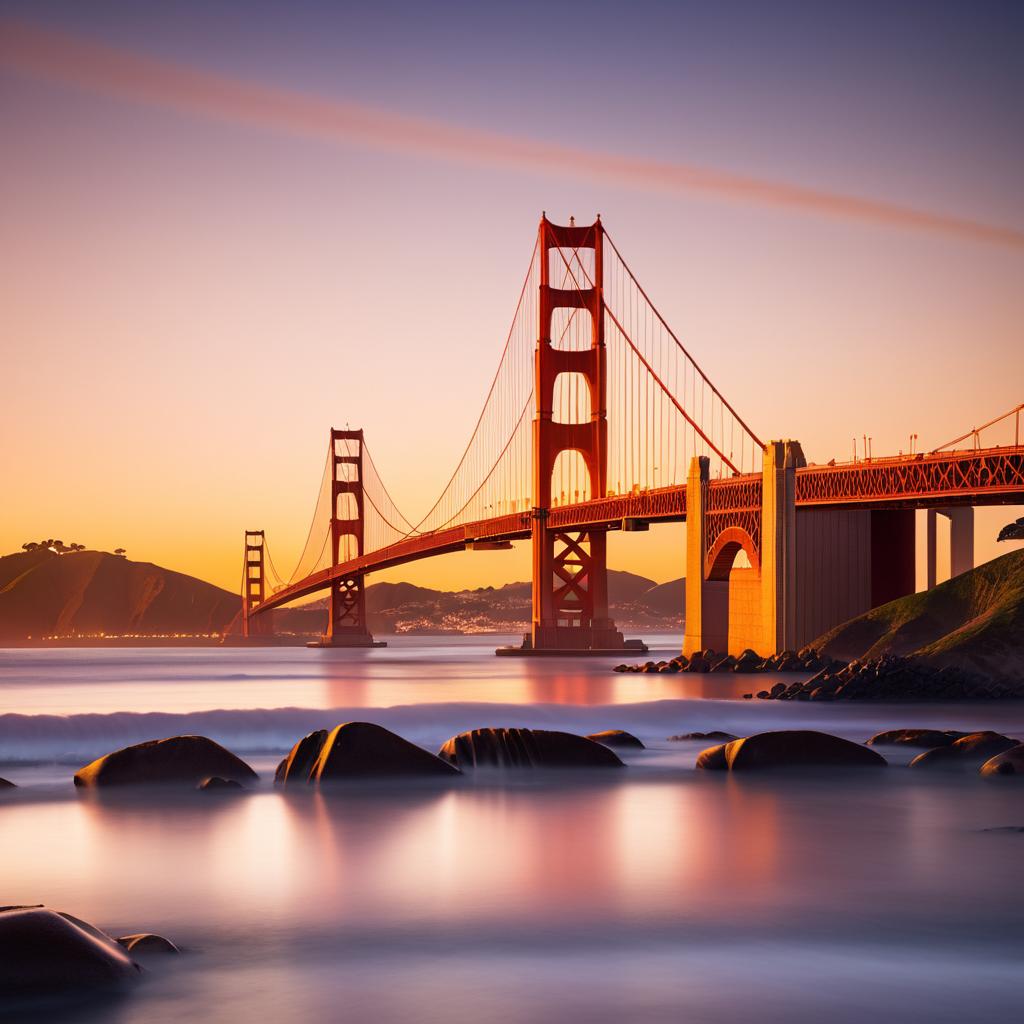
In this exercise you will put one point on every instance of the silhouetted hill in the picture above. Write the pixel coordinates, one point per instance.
(89, 593)
(974, 621)
(93, 592)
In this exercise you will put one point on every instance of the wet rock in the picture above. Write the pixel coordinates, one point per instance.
(927, 738)
(179, 759)
(45, 953)
(715, 734)
(215, 784)
(298, 765)
(789, 748)
(4, 784)
(722, 663)
(763, 695)
(748, 661)
(967, 753)
(147, 942)
(1009, 762)
(526, 748)
(698, 663)
(714, 758)
(361, 750)
(616, 738)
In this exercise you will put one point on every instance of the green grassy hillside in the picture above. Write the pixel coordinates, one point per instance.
(974, 621)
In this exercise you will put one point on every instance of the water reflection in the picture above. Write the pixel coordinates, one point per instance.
(540, 878)
(460, 670)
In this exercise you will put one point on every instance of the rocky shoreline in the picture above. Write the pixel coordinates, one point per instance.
(891, 677)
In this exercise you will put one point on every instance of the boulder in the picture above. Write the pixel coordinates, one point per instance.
(4, 784)
(1009, 762)
(928, 738)
(715, 734)
(298, 765)
(362, 750)
(968, 752)
(147, 942)
(789, 748)
(616, 738)
(215, 784)
(180, 759)
(714, 758)
(45, 953)
(526, 748)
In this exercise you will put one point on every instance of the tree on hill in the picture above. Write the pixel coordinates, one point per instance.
(120, 552)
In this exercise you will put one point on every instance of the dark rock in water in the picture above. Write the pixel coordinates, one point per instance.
(147, 942)
(789, 748)
(362, 750)
(1005, 828)
(968, 752)
(713, 759)
(1009, 762)
(215, 784)
(616, 738)
(45, 953)
(748, 661)
(715, 734)
(179, 759)
(929, 738)
(298, 765)
(4, 784)
(526, 748)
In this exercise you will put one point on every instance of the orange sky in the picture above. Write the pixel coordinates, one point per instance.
(213, 253)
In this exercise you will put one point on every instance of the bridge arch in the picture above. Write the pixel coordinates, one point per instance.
(572, 389)
(718, 562)
(572, 477)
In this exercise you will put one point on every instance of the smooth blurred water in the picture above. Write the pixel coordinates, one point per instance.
(652, 894)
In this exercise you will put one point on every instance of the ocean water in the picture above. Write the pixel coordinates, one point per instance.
(657, 893)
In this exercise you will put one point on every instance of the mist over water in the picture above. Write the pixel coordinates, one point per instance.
(655, 893)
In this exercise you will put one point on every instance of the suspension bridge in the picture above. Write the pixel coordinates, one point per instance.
(599, 419)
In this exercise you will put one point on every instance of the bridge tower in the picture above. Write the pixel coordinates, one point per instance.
(346, 623)
(570, 572)
(253, 585)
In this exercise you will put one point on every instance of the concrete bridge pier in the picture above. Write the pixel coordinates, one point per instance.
(808, 569)
(961, 541)
(735, 607)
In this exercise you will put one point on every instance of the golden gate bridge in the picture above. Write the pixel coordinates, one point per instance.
(599, 419)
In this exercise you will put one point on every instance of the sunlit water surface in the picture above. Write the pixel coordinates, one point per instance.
(651, 894)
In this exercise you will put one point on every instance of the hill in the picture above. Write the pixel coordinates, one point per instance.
(91, 592)
(974, 621)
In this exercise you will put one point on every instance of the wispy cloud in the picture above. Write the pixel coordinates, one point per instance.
(82, 64)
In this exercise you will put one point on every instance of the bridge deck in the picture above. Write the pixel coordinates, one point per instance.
(992, 476)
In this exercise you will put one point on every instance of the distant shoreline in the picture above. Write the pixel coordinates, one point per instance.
(279, 641)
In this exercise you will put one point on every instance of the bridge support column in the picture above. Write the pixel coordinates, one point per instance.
(346, 611)
(779, 546)
(961, 541)
(707, 601)
(254, 588)
(570, 565)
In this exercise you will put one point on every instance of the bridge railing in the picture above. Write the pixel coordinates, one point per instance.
(960, 475)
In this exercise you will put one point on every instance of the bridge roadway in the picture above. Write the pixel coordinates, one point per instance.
(992, 476)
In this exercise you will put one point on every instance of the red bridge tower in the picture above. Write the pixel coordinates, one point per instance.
(346, 623)
(570, 572)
